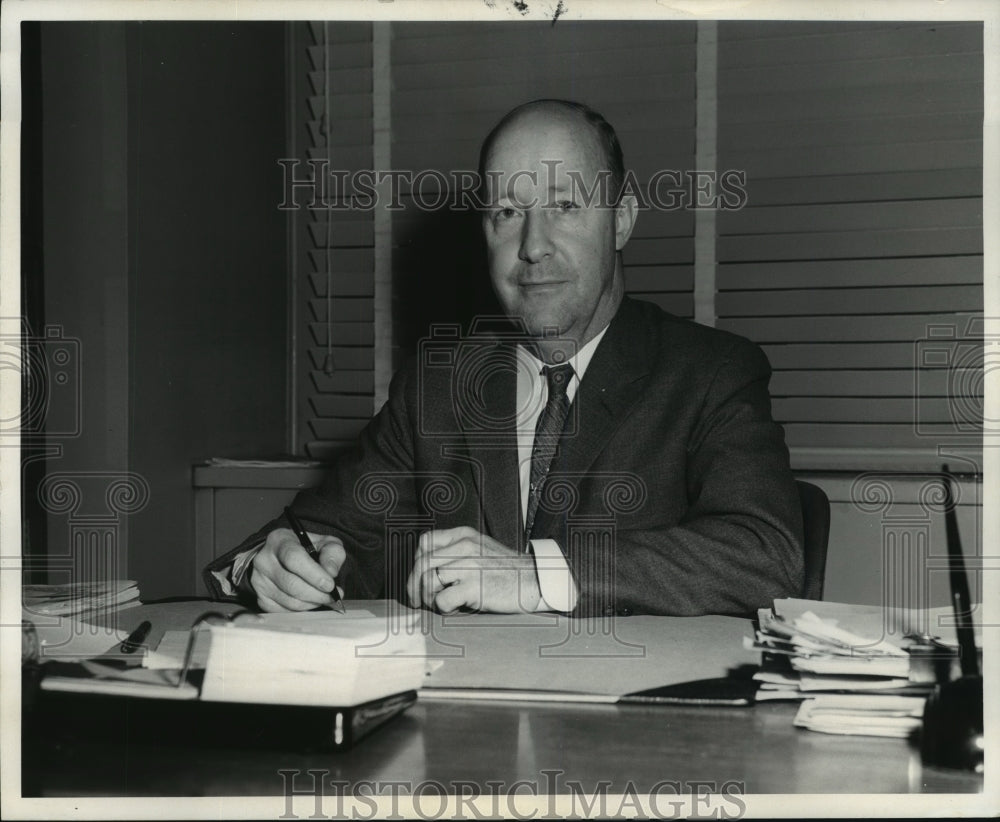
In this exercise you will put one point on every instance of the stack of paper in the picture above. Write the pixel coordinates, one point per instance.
(862, 714)
(853, 681)
(78, 598)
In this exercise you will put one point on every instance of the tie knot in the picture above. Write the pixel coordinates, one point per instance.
(557, 377)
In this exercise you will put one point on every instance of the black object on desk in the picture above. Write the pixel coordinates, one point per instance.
(952, 733)
(134, 640)
(185, 722)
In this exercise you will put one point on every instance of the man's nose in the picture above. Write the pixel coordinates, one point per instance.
(536, 244)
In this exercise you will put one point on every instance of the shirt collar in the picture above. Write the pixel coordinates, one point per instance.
(580, 360)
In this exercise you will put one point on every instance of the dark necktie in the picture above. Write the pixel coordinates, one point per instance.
(547, 433)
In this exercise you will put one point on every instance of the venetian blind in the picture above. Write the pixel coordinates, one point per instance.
(857, 261)
(334, 280)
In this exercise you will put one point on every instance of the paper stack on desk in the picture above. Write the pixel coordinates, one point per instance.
(853, 681)
(78, 598)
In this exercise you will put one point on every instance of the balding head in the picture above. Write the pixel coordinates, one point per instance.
(583, 119)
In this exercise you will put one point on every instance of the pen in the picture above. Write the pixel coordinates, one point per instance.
(133, 642)
(306, 543)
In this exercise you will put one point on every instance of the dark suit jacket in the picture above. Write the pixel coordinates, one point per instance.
(670, 494)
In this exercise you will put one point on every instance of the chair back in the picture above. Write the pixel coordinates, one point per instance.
(816, 532)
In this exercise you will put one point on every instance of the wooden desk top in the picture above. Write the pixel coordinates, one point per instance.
(455, 741)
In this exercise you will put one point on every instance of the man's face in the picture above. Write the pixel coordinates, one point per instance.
(552, 257)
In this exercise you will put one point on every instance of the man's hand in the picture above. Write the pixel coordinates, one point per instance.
(285, 578)
(462, 568)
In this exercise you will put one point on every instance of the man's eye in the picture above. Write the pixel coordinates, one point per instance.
(566, 205)
(503, 214)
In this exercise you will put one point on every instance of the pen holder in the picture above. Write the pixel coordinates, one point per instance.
(952, 733)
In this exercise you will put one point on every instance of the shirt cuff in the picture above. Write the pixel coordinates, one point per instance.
(231, 576)
(555, 582)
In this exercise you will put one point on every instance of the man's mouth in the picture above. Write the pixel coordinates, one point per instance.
(541, 285)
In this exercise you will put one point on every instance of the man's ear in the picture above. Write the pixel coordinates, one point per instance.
(626, 213)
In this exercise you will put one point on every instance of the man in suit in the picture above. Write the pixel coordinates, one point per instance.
(608, 458)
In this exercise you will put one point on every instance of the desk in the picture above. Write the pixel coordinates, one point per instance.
(455, 741)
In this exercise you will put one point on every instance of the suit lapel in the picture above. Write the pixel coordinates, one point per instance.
(614, 382)
(491, 438)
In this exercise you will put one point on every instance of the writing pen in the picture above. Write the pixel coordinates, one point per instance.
(133, 642)
(306, 543)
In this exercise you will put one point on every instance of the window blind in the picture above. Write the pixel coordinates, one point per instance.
(857, 261)
(334, 265)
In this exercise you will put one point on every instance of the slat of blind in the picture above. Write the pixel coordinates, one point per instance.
(933, 382)
(344, 231)
(898, 185)
(354, 309)
(845, 409)
(486, 96)
(780, 44)
(633, 116)
(888, 128)
(889, 436)
(894, 243)
(898, 300)
(913, 271)
(343, 382)
(668, 128)
(892, 69)
(347, 260)
(351, 106)
(343, 333)
(356, 131)
(901, 156)
(359, 358)
(856, 355)
(908, 328)
(350, 158)
(422, 42)
(964, 213)
(774, 31)
(340, 80)
(649, 61)
(344, 284)
(852, 102)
